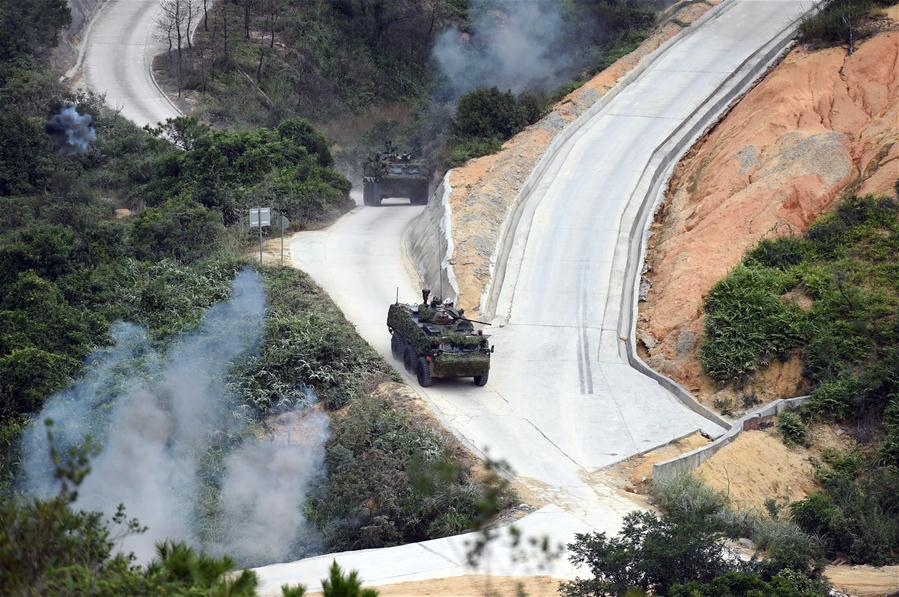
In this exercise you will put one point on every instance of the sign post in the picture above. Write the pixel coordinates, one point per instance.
(259, 217)
(283, 223)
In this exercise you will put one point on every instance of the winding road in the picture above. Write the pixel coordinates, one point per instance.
(563, 400)
(120, 44)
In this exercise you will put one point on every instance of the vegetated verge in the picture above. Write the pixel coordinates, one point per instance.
(146, 227)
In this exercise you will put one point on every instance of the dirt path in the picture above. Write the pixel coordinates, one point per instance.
(472, 586)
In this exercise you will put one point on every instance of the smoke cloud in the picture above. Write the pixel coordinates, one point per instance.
(158, 416)
(511, 46)
(72, 131)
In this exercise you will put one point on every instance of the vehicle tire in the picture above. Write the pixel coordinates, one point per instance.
(420, 198)
(481, 380)
(397, 346)
(371, 194)
(424, 373)
(409, 359)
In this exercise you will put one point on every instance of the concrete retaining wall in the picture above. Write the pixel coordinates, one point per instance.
(651, 193)
(428, 243)
(754, 420)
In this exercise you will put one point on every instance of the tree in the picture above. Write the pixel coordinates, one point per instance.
(175, 20)
(651, 553)
(340, 585)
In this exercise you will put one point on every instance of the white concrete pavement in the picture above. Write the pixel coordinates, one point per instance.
(120, 45)
(562, 400)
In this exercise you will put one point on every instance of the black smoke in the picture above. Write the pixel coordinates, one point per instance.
(72, 131)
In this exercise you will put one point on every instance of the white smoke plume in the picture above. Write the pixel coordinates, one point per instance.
(157, 414)
(72, 131)
(264, 483)
(510, 46)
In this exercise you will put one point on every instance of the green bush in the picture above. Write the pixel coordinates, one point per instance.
(390, 482)
(793, 430)
(839, 21)
(848, 337)
(177, 230)
(682, 551)
(485, 118)
(748, 324)
(856, 513)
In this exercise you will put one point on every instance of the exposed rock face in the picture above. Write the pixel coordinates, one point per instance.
(820, 125)
(484, 189)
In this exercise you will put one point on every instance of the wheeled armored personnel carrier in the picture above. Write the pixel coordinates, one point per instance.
(394, 174)
(434, 340)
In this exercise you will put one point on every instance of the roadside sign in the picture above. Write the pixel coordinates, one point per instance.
(260, 216)
(283, 222)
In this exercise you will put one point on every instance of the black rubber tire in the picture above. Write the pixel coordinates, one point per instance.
(371, 195)
(397, 346)
(409, 359)
(481, 380)
(424, 373)
(420, 198)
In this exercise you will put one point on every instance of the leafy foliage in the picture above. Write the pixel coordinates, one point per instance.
(839, 21)
(793, 430)
(849, 336)
(856, 512)
(682, 551)
(485, 118)
(339, 584)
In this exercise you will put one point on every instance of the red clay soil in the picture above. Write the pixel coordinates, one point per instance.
(821, 125)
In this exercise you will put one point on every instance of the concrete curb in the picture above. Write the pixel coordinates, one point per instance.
(430, 251)
(498, 264)
(653, 184)
(82, 45)
(688, 461)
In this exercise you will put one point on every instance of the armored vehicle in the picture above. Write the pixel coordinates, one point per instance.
(435, 340)
(394, 174)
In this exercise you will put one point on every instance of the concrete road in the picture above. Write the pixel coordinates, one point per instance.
(120, 45)
(562, 400)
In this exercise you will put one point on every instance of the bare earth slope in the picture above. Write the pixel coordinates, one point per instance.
(820, 124)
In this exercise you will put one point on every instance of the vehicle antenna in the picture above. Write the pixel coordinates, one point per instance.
(397, 295)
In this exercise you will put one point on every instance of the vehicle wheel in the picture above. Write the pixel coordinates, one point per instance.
(424, 373)
(371, 195)
(421, 199)
(409, 359)
(481, 380)
(397, 346)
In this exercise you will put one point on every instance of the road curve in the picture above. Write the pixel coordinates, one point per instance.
(562, 401)
(119, 48)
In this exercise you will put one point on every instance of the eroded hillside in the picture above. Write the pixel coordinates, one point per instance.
(821, 125)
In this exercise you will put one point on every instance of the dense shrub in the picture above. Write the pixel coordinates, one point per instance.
(747, 324)
(391, 481)
(793, 430)
(849, 336)
(856, 513)
(839, 22)
(178, 230)
(682, 551)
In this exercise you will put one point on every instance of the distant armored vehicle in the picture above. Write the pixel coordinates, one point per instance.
(394, 174)
(434, 340)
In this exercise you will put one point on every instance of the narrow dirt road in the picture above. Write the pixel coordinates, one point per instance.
(120, 46)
